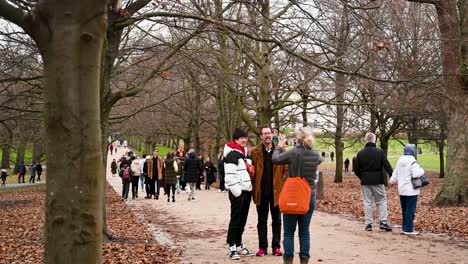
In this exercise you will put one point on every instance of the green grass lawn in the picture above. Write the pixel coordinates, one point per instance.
(29, 188)
(14, 179)
(162, 151)
(429, 160)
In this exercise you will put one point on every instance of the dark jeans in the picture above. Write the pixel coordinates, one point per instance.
(268, 205)
(21, 177)
(155, 186)
(198, 184)
(346, 169)
(170, 187)
(135, 180)
(148, 186)
(125, 188)
(39, 176)
(289, 224)
(408, 209)
(32, 179)
(221, 182)
(239, 212)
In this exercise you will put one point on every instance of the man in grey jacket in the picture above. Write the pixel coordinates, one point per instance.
(369, 165)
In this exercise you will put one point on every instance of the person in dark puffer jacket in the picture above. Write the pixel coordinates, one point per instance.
(369, 165)
(170, 175)
(309, 162)
(192, 169)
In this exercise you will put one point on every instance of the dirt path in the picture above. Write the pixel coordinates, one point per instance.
(199, 228)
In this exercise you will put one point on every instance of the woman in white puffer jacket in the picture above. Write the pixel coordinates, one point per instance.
(407, 168)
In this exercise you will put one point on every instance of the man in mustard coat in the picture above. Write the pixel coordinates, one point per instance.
(268, 181)
(154, 167)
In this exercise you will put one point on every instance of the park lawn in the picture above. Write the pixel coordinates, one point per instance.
(27, 156)
(14, 179)
(162, 151)
(29, 188)
(429, 160)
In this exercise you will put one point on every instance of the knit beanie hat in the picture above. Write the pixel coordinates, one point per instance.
(410, 149)
(238, 133)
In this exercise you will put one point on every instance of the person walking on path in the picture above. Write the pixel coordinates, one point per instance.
(111, 148)
(170, 175)
(303, 160)
(3, 176)
(239, 184)
(154, 167)
(210, 171)
(113, 167)
(32, 170)
(222, 188)
(192, 170)
(368, 167)
(332, 155)
(407, 167)
(269, 180)
(136, 173)
(202, 172)
(39, 171)
(125, 175)
(21, 172)
(346, 165)
(142, 169)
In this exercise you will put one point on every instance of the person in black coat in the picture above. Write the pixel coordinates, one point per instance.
(22, 172)
(193, 169)
(39, 171)
(113, 167)
(346, 165)
(222, 188)
(210, 171)
(369, 165)
(4, 175)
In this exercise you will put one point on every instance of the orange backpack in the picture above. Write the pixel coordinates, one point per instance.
(294, 197)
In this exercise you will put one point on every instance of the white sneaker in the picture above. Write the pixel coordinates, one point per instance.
(243, 251)
(411, 233)
(233, 254)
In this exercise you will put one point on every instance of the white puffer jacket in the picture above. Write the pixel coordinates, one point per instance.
(237, 178)
(135, 167)
(406, 167)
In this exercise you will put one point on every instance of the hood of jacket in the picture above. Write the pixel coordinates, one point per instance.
(232, 146)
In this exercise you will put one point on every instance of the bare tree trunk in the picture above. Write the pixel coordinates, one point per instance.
(455, 188)
(38, 151)
(6, 156)
(20, 152)
(72, 58)
(305, 98)
(340, 95)
(440, 146)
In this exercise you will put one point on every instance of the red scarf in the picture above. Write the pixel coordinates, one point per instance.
(233, 145)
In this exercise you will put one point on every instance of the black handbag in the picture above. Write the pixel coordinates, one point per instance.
(420, 181)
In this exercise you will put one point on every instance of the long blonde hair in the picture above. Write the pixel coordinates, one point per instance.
(304, 135)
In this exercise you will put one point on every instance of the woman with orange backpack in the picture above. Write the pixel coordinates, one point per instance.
(302, 161)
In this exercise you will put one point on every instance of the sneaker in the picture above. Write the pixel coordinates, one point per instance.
(277, 252)
(385, 227)
(261, 253)
(243, 251)
(369, 227)
(411, 233)
(233, 254)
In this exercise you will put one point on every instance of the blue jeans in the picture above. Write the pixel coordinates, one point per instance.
(142, 182)
(289, 227)
(408, 208)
